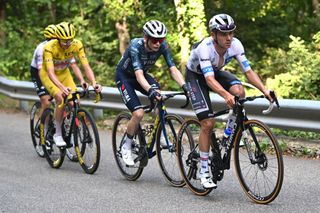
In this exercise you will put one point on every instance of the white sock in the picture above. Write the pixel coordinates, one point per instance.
(204, 156)
(58, 128)
(127, 143)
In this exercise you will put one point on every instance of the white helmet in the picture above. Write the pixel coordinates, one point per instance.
(222, 22)
(155, 29)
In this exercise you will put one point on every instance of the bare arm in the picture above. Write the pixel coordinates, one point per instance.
(89, 73)
(254, 79)
(142, 80)
(177, 76)
(77, 72)
(216, 87)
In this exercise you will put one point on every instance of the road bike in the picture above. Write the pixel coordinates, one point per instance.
(35, 119)
(256, 154)
(77, 123)
(162, 134)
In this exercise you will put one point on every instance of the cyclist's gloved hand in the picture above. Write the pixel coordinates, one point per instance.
(153, 94)
(84, 85)
(267, 94)
(186, 90)
(97, 88)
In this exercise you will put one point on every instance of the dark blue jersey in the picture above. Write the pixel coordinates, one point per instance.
(136, 57)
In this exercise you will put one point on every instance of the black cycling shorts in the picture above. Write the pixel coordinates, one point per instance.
(199, 93)
(40, 89)
(127, 86)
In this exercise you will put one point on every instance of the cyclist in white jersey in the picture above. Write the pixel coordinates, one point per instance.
(204, 73)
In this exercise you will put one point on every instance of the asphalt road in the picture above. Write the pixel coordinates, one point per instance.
(28, 184)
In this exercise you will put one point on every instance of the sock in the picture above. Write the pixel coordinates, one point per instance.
(58, 128)
(127, 141)
(204, 156)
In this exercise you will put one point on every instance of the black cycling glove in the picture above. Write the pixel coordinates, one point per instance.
(186, 90)
(153, 94)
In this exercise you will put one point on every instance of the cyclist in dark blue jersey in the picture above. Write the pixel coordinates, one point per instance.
(132, 74)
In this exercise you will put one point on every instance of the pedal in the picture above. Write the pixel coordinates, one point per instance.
(143, 157)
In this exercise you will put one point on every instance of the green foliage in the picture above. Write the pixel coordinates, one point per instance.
(301, 78)
(290, 63)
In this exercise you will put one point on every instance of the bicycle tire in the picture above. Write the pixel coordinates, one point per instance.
(131, 173)
(167, 158)
(266, 167)
(35, 120)
(53, 154)
(189, 156)
(86, 141)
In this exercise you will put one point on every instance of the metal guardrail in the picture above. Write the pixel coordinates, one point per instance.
(294, 114)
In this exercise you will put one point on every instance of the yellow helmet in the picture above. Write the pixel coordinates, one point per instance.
(50, 31)
(65, 30)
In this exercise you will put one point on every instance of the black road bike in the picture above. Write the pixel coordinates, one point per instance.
(78, 124)
(162, 133)
(35, 120)
(256, 154)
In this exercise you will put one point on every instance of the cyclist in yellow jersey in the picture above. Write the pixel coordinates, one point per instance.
(55, 75)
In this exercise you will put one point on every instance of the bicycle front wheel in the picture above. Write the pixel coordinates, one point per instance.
(86, 141)
(189, 156)
(53, 154)
(258, 162)
(166, 154)
(118, 133)
(35, 119)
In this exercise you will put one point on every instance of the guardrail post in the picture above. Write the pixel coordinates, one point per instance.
(24, 106)
(98, 113)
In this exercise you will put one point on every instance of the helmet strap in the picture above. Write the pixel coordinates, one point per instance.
(216, 40)
(147, 43)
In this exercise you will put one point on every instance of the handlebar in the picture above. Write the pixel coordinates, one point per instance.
(251, 98)
(165, 97)
(82, 93)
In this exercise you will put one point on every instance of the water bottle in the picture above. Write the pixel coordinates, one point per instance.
(229, 128)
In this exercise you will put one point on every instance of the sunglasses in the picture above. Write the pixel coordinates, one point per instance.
(227, 28)
(66, 42)
(156, 40)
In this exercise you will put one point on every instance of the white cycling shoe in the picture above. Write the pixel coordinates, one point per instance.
(58, 140)
(127, 156)
(206, 181)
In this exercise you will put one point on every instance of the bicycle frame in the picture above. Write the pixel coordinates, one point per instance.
(241, 118)
(159, 120)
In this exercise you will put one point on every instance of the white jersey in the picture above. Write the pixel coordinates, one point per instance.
(204, 59)
(37, 56)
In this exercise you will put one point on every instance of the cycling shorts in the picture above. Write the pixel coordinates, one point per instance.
(40, 89)
(64, 76)
(127, 86)
(199, 93)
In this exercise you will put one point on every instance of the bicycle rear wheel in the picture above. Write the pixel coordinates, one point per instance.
(35, 119)
(258, 162)
(53, 154)
(86, 141)
(189, 156)
(167, 156)
(118, 132)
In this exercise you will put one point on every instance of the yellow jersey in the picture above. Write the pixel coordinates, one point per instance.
(54, 56)
(60, 59)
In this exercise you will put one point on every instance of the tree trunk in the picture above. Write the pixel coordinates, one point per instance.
(184, 40)
(123, 35)
(53, 10)
(315, 7)
(2, 19)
